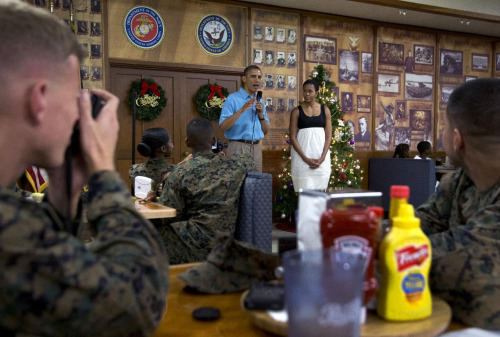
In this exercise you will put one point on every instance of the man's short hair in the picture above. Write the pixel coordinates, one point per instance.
(474, 107)
(250, 67)
(423, 145)
(363, 117)
(30, 33)
(200, 131)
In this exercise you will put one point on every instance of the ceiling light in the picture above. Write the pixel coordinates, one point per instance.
(402, 12)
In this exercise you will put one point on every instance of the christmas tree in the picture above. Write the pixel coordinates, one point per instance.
(346, 171)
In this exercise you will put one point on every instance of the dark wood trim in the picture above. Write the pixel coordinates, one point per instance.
(162, 66)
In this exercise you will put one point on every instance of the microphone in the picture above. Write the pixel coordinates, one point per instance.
(259, 95)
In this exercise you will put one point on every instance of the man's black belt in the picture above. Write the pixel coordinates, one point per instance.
(245, 141)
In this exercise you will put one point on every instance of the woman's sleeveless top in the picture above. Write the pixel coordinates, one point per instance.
(311, 122)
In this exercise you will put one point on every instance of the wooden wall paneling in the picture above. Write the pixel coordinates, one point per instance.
(454, 66)
(180, 90)
(193, 83)
(276, 35)
(180, 44)
(352, 39)
(121, 80)
(414, 100)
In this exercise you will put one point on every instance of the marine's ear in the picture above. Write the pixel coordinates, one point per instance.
(37, 101)
(458, 140)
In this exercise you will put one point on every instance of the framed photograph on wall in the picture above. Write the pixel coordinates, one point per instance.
(497, 66)
(366, 62)
(420, 120)
(364, 103)
(347, 101)
(418, 87)
(269, 33)
(446, 90)
(257, 33)
(336, 91)
(388, 83)
(391, 53)
(424, 54)
(348, 66)
(401, 136)
(292, 36)
(281, 36)
(451, 62)
(320, 49)
(401, 110)
(480, 62)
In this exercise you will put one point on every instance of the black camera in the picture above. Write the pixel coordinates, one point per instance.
(97, 105)
(219, 146)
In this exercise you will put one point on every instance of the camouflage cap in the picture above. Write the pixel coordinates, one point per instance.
(231, 266)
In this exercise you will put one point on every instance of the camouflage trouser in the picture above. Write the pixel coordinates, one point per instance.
(182, 245)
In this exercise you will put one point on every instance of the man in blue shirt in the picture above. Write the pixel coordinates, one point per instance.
(244, 119)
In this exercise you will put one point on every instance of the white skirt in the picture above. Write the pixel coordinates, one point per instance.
(312, 141)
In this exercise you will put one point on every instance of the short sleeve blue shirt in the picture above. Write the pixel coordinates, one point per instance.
(247, 126)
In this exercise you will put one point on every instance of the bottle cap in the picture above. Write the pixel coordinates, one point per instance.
(400, 191)
(406, 217)
(379, 211)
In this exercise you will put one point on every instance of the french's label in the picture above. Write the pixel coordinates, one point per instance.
(410, 256)
(413, 286)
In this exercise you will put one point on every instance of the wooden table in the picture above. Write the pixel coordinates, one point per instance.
(236, 322)
(152, 210)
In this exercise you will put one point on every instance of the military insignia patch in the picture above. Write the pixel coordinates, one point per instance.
(215, 34)
(144, 27)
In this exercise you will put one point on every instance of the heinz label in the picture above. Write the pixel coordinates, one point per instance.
(410, 256)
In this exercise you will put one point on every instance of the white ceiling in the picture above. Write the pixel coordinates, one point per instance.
(483, 15)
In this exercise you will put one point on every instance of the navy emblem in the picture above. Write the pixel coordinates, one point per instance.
(144, 27)
(215, 34)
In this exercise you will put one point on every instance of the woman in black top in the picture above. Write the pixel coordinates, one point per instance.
(310, 136)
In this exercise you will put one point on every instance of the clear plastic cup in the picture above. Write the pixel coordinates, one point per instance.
(323, 292)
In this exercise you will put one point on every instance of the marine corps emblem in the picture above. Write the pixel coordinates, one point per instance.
(215, 35)
(144, 27)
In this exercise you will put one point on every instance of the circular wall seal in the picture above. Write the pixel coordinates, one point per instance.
(215, 34)
(144, 27)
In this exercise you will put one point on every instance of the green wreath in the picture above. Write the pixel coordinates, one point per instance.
(209, 99)
(148, 97)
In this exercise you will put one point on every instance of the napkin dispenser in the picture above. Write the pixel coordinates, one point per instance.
(142, 185)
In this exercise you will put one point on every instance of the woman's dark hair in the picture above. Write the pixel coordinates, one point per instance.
(313, 82)
(402, 151)
(152, 139)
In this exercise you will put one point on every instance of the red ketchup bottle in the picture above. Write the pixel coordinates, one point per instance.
(353, 230)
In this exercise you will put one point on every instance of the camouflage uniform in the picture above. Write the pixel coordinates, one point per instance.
(205, 192)
(52, 284)
(463, 225)
(154, 168)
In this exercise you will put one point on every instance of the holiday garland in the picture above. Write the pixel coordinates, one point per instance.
(148, 97)
(209, 99)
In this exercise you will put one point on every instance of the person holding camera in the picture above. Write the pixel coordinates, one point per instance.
(52, 284)
(205, 192)
(244, 119)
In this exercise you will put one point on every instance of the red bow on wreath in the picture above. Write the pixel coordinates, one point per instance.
(215, 89)
(153, 87)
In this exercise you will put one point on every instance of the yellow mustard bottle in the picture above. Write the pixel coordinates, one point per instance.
(399, 196)
(405, 258)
